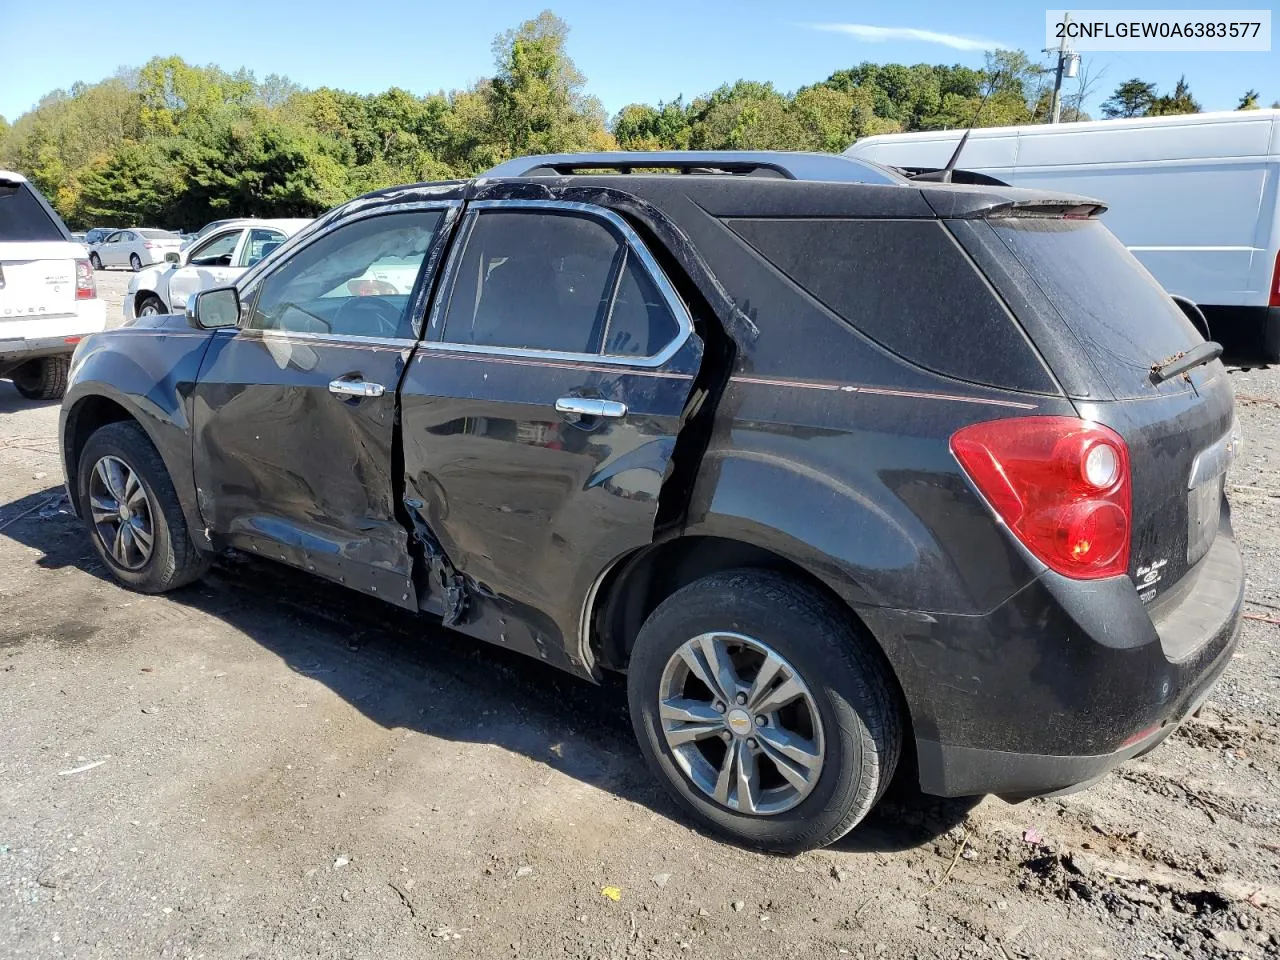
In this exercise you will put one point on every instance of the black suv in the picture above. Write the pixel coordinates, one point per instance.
(839, 467)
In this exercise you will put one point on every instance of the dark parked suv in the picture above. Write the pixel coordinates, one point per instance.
(841, 468)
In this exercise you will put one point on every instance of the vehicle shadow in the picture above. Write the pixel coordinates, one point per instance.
(402, 670)
(11, 401)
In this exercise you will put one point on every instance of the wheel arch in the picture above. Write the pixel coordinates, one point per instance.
(633, 587)
(140, 295)
(89, 412)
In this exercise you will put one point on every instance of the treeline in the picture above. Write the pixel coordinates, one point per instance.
(172, 144)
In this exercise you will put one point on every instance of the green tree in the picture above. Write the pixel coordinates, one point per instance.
(1180, 101)
(1133, 98)
(178, 97)
(1249, 101)
(536, 99)
(639, 126)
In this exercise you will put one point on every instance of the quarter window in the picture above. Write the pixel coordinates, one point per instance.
(356, 281)
(258, 245)
(561, 282)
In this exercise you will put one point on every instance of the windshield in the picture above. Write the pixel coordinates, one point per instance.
(23, 216)
(159, 235)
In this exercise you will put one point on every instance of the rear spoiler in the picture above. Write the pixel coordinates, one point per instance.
(965, 202)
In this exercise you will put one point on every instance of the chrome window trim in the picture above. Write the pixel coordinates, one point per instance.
(258, 333)
(311, 236)
(322, 226)
(684, 322)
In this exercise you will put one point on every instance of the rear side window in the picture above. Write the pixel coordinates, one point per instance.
(1121, 317)
(908, 286)
(560, 282)
(23, 217)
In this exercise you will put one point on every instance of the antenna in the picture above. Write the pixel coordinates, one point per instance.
(944, 175)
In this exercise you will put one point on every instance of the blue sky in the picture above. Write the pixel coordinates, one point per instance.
(653, 50)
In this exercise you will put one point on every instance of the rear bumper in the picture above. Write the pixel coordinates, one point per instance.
(1067, 679)
(14, 353)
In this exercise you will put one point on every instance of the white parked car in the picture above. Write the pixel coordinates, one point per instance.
(134, 248)
(48, 299)
(215, 260)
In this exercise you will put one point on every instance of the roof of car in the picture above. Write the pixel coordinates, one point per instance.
(12, 176)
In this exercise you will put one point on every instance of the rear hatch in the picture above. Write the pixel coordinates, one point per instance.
(37, 258)
(1102, 322)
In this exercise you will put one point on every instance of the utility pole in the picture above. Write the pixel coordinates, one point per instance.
(1068, 62)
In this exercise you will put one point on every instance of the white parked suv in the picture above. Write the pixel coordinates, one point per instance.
(48, 299)
(214, 260)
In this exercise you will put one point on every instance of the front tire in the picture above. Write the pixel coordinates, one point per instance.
(764, 709)
(95, 261)
(44, 379)
(132, 511)
(135, 262)
(151, 306)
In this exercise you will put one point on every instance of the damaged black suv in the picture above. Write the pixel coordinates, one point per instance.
(844, 470)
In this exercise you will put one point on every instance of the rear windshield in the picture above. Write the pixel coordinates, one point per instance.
(23, 217)
(158, 235)
(1112, 308)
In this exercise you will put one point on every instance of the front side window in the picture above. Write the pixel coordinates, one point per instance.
(355, 281)
(259, 243)
(215, 252)
(554, 281)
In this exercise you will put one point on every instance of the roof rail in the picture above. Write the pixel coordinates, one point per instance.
(744, 163)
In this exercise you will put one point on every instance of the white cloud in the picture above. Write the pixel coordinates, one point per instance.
(870, 34)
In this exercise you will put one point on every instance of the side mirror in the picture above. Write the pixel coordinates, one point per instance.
(172, 257)
(212, 309)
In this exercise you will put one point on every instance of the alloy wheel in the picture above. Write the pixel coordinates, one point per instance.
(741, 723)
(121, 513)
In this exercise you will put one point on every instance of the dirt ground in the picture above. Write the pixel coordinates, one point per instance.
(261, 766)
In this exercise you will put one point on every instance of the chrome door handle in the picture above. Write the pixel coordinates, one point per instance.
(356, 388)
(588, 407)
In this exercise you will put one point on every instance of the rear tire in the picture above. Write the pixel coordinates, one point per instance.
(110, 461)
(44, 379)
(135, 262)
(844, 681)
(95, 261)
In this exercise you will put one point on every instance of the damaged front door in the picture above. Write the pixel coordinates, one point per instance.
(295, 411)
(540, 417)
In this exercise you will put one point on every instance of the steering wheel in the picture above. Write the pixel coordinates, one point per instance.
(359, 312)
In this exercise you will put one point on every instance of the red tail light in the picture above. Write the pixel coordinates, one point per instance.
(86, 289)
(1274, 299)
(1062, 486)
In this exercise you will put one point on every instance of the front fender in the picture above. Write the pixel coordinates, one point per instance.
(148, 373)
(153, 279)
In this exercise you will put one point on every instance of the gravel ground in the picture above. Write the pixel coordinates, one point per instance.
(261, 766)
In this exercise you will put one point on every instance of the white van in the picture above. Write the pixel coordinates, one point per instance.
(1195, 197)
